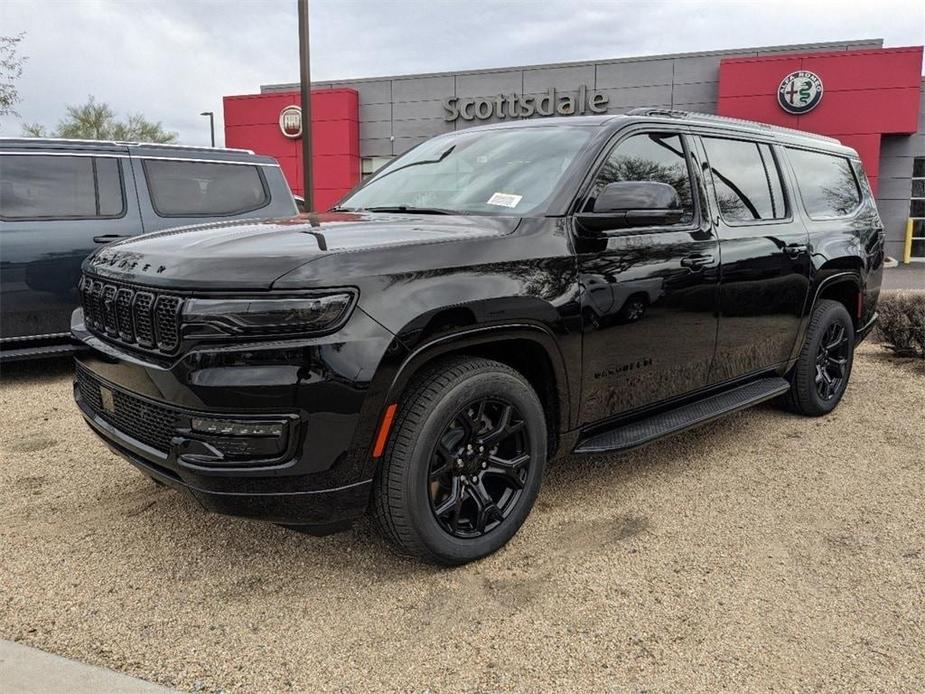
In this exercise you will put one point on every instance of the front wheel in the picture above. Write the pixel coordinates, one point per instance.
(820, 376)
(464, 462)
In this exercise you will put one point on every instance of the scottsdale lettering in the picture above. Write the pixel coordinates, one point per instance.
(514, 106)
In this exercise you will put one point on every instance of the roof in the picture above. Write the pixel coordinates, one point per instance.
(141, 149)
(669, 116)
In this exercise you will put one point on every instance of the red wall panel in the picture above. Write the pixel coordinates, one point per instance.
(866, 94)
(252, 122)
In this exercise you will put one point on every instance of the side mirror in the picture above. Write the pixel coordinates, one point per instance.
(632, 204)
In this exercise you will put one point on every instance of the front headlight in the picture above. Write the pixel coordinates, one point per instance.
(310, 314)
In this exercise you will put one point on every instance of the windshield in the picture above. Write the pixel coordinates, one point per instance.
(504, 171)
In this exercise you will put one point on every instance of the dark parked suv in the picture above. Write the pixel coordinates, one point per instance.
(494, 297)
(61, 199)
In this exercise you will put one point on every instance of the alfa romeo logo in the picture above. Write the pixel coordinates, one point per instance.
(800, 92)
(290, 122)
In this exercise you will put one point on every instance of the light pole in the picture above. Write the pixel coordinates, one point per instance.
(211, 116)
(306, 87)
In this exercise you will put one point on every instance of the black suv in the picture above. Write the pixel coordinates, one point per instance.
(61, 199)
(491, 298)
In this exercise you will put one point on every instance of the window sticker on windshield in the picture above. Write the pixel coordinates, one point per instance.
(505, 199)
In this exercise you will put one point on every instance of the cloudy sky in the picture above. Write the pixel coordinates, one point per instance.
(172, 59)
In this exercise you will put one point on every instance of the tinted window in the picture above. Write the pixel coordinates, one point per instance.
(510, 171)
(746, 179)
(650, 157)
(195, 189)
(109, 187)
(827, 184)
(60, 187)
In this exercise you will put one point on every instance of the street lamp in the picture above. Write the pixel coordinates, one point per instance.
(305, 84)
(211, 116)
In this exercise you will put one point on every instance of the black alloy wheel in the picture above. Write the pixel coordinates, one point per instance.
(820, 376)
(832, 361)
(464, 461)
(479, 468)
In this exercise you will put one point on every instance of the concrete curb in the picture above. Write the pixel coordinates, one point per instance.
(27, 670)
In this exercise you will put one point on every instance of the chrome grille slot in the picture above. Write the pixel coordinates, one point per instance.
(141, 312)
(166, 312)
(109, 309)
(124, 314)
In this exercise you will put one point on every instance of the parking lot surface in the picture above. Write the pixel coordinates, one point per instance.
(763, 551)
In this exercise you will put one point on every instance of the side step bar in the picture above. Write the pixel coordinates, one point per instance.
(656, 426)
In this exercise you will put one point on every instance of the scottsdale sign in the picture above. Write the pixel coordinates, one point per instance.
(524, 106)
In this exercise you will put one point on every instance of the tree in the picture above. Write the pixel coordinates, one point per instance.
(10, 70)
(97, 121)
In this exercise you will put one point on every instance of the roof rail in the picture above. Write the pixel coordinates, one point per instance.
(125, 143)
(675, 113)
(176, 146)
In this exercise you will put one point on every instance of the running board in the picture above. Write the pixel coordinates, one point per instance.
(684, 417)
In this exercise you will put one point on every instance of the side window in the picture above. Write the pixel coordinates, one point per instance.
(60, 187)
(650, 157)
(747, 180)
(204, 189)
(827, 183)
(109, 187)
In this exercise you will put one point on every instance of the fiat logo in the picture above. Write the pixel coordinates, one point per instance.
(800, 92)
(290, 122)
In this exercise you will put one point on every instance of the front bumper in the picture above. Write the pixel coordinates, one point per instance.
(316, 390)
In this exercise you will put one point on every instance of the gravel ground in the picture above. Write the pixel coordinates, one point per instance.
(763, 551)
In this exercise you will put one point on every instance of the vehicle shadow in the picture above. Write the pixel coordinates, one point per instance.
(36, 371)
(569, 479)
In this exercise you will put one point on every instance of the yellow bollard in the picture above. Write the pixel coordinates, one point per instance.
(907, 249)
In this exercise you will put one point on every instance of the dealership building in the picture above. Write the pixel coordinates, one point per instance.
(868, 96)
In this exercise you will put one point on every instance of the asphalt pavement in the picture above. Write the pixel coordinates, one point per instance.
(904, 277)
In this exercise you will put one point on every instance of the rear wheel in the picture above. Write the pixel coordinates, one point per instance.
(821, 374)
(464, 462)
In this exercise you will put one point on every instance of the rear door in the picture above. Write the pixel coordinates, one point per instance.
(55, 209)
(648, 293)
(765, 256)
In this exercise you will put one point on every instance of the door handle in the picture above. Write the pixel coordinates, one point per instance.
(109, 238)
(795, 249)
(698, 261)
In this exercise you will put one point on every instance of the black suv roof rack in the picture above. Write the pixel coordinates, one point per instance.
(711, 117)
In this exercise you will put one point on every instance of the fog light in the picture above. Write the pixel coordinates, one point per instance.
(225, 427)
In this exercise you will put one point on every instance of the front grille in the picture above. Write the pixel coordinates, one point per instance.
(131, 316)
(141, 419)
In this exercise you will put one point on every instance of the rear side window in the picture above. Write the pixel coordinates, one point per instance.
(747, 180)
(60, 187)
(204, 189)
(827, 183)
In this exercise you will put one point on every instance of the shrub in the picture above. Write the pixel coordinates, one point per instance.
(902, 323)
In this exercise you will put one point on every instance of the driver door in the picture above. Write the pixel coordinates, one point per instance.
(649, 293)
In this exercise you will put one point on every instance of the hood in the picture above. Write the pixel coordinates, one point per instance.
(252, 254)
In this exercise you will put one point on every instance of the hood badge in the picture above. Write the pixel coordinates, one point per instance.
(125, 261)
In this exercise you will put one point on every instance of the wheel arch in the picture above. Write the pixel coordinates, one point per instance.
(840, 280)
(529, 349)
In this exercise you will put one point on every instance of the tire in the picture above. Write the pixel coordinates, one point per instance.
(426, 500)
(820, 376)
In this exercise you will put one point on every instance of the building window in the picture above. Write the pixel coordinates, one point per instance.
(370, 165)
(917, 209)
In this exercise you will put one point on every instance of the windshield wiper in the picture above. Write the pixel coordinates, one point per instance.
(436, 160)
(411, 209)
